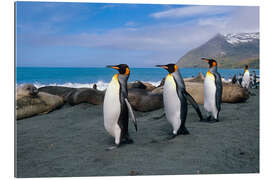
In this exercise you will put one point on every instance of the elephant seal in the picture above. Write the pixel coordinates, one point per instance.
(63, 92)
(75, 96)
(87, 95)
(143, 100)
(26, 90)
(198, 78)
(30, 102)
(141, 85)
(232, 93)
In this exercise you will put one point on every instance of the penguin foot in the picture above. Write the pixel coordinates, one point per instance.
(213, 121)
(127, 141)
(204, 120)
(183, 131)
(171, 137)
(209, 119)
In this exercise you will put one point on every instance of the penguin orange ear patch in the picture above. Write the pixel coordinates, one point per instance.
(214, 63)
(175, 68)
(127, 71)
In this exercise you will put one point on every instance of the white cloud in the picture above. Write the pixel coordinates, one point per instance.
(190, 11)
(160, 42)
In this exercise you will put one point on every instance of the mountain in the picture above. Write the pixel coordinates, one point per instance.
(230, 51)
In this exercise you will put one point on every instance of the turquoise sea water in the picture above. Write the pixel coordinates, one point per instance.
(86, 77)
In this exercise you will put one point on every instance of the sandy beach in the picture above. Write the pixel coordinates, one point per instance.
(71, 141)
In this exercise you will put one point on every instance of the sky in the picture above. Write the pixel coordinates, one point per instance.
(59, 34)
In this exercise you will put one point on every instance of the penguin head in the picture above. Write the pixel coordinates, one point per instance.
(171, 68)
(211, 62)
(246, 66)
(121, 68)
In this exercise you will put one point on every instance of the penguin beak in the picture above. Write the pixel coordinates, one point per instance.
(205, 59)
(162, 66)
(113, 66)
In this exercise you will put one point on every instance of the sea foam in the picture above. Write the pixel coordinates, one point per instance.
(101, 85)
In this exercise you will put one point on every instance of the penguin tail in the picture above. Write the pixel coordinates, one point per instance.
(193, 103)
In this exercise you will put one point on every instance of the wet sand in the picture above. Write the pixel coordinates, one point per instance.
(71, 141)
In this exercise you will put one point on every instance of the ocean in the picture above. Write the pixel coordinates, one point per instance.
(86, 77)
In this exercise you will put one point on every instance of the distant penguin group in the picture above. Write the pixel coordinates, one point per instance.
(117, 109)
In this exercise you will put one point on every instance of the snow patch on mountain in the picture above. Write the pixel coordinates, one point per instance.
(237, 38)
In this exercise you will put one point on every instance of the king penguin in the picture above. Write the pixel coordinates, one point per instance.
(175, 99)
(212, 91)
(116, 108)
(246, 78)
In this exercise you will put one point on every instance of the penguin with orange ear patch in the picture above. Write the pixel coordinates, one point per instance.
(175, 99)
(116, 108)
(212, 91)
(246, 78)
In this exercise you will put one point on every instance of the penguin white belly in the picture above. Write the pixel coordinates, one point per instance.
(112, 107)
(210, 94)
(246, 80)
(172, 103)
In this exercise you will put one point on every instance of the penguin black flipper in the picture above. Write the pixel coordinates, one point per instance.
(218, 83)
(193, 103)
(183, 114)
(131, 114)
(180, 86)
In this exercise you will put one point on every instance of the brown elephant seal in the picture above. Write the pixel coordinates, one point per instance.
(198, 78)
(136, 84)
(141, 85)
(158, 90)
(26, 90)
(149, 86)
(27, 106)
(162, 82)
(75, 96)
(87, 95)
(143, 100)
(61, 91)
(232, 93)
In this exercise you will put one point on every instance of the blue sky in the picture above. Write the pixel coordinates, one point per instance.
(96, 34)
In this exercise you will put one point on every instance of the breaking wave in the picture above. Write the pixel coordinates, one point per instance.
(101, 85)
